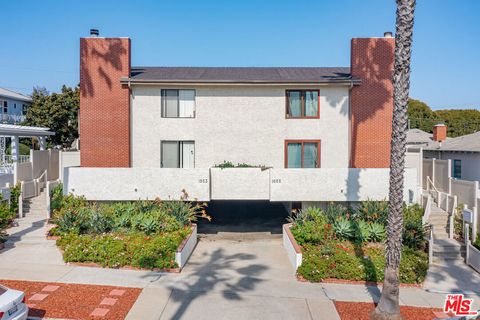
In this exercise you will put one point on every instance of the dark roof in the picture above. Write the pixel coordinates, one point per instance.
(241, 75)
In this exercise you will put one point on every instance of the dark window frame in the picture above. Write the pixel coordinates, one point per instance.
(163, 103)
(179, 150)
(302, 141)
(303, 107)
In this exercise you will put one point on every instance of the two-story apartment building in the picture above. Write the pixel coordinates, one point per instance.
(13, 106)
(315, 133)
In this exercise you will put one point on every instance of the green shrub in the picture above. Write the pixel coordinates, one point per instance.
(347, 261)
(335, 211)
(476, 244)
(14, 197)
(117, 250)
(56, 197)
(414, 231)
(313, 231)
(372, 211)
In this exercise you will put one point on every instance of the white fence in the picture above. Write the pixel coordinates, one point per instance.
(325, 184)
(68, 159)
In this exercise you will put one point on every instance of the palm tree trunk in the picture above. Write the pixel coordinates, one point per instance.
(388, 307)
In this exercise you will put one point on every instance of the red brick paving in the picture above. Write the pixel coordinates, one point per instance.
(75, 301)
(362, 310)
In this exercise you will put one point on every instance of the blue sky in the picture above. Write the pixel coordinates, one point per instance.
(40, 39)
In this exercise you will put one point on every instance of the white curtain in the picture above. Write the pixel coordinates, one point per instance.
(310, 155)
(294, 154)
(294, 104)
(311, 103)
(186, 103)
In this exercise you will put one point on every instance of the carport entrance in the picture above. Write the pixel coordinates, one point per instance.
(255, 216)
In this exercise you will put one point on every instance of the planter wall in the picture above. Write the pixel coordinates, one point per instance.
(473, 257)
(186, 248)
(294, 251)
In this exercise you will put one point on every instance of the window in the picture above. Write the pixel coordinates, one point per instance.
(302, 154)
(178, 154)
(303, 103)
(24, 109)
(178, 103)
(457, 169)
(5, 106)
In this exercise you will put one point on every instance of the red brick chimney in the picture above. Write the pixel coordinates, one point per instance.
(104, 102)
(372, 101)
(440, 132)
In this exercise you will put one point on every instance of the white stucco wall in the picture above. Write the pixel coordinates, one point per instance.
(337, 184)
(326, 184)
(239, 124)
(240, 184)
(123, 184)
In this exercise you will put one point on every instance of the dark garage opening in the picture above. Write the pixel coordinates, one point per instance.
(244, 216)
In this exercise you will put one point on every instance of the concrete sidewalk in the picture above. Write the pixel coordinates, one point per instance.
(250, 278)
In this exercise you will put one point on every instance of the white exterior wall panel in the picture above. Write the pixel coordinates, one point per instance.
(239, 124)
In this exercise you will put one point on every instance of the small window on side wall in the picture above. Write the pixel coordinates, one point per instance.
(178, 103)
(303, 104)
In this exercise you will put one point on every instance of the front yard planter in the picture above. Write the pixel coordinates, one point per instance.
(180, 256)
(294, 251)
(473, 258)
(185, 249)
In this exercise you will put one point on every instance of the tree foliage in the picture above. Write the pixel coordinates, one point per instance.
(57, 111)
(459, 122)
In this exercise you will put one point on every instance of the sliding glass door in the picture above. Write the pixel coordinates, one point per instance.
(178, 154)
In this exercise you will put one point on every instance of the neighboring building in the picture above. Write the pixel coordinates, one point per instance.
(463, 151)
(13, 106)
(319, 128)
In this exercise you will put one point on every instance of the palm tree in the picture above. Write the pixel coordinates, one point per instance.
(388, 307)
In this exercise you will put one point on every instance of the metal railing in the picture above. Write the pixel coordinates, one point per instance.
(11, 118)
(8, 159)
(451, 217)
(430, 245)
(427, 208)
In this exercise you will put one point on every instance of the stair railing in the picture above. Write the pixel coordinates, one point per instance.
(430, 245)
(435, 190)
(451, 217)
(427, 209)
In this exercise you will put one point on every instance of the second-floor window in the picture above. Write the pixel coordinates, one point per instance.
(178, 103)
(303, 103)
(5, 107)
(24, 109)
(302, 154)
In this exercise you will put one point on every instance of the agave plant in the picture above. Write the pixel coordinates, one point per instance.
(307, 214)
(377, 232)
(363, 233)
(335, 211)
(343, 228)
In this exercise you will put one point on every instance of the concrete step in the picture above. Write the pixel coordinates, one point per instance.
(449, 255)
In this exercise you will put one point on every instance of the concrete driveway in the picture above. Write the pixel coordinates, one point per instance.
(236, 279)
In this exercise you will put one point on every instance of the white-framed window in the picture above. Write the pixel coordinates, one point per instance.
(4, 105)
(177, 154)
(457, 169)
(178, 103)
